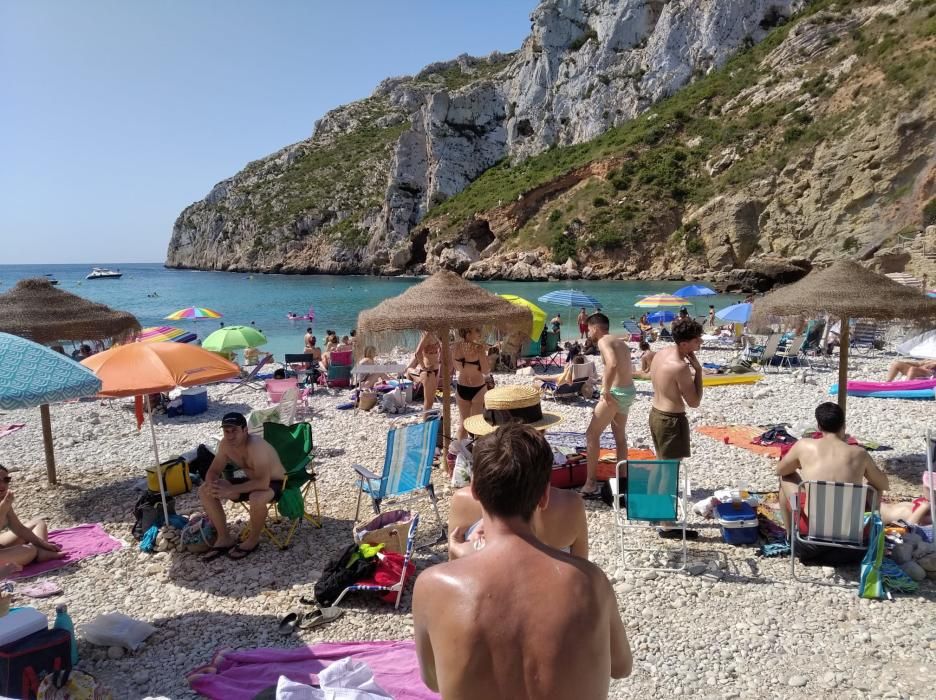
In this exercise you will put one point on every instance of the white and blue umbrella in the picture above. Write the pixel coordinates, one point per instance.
(736, 313)
(694, 290)
(569, 297)
(32, 375)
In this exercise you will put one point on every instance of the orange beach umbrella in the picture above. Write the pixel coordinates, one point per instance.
(147, 368)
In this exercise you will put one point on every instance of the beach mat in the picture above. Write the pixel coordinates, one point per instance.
(79, 542)
(740, 436)
(244, 674)
(7, 429)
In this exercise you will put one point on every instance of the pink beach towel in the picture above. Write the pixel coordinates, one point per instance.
(236, 675)
(7, 429)
(79, 542)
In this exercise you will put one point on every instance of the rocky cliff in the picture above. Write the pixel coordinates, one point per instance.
(740, 141)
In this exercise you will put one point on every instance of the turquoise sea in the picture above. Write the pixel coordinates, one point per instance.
(266, 299)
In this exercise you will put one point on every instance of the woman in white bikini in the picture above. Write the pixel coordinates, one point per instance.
(471, 362)
(428, 357)
(25, 542)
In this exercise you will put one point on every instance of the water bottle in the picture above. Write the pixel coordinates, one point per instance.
(64, 622)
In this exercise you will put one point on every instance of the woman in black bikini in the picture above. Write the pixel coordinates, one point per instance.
(471, 361)
(428, 357)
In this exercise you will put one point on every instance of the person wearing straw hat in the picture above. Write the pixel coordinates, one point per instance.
(617, 396)
(472, 616)
(513, 403)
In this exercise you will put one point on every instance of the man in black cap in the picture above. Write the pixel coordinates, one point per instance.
(258, 480)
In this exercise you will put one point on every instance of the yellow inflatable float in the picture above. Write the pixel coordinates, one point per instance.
(726, 379)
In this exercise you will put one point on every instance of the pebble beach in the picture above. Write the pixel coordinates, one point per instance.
(737, 626)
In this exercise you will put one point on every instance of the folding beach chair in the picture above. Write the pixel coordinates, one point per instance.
(396, 586)
(407, 468)
(930, 468)
(651, 494)
(283, 412)
(293, 445)
(864, 336)
(304, 365)
(767, 354)
(565, 392)
(835, 516)
(636, 335)
(251, 379)
(339, 370)
(791, 352)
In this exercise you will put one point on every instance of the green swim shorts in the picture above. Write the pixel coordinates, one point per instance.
(624, 396)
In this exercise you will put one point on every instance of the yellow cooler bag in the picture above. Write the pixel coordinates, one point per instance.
(175, 477)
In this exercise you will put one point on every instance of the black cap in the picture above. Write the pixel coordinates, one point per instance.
(234, 418)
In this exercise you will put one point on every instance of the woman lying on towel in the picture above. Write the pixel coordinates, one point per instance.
(25, 542)
(911, 369)
(915, 512)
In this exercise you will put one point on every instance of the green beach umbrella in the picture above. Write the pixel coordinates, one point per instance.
(232, 338)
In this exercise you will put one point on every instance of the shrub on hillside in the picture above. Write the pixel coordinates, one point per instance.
(563, 247)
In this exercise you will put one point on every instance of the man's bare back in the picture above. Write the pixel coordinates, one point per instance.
(831, 459)
(616, 346)
(520, 620)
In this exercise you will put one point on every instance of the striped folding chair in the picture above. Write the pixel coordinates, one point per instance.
(830, 514)
(407, 469)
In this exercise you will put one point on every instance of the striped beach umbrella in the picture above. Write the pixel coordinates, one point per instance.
(162, 334)
(192, 312)
(655, 301)
(569, 297)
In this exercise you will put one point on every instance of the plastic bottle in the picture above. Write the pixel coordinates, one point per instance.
(64, 622)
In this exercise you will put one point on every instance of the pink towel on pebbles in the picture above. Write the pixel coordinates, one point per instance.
(79, 542)
(236, 675)
(7, 429)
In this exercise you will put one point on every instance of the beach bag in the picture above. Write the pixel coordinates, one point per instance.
(339, 574)
(390, 529)
(148, 511)
(175, 477)
(367, 400)
(872, 583)
(72, 685)
(388, 573)
(201, 462)
(199, 534)
(23, 663)
(393, 401)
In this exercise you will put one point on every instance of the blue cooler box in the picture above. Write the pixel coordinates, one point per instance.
(738, 523)
(194, 401)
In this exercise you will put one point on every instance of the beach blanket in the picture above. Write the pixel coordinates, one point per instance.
(607, 460)
(79, 542)
(740, 436)
(7, 429)
(242, 675)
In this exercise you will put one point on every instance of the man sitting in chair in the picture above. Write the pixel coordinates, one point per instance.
(472, 616)
(258, 481)
(829, 458)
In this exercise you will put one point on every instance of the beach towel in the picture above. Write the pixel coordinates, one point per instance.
(7, 429)
(78, 543)
(740, 436)
(242, 675)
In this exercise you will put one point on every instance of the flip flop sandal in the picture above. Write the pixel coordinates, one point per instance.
(319, 617)
(236, 553)
(288, 624)
(216, 553)
(676, 534)
(308, 601)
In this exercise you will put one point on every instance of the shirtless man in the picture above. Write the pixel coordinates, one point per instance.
(646, 360)
(261, 482)
(308, 341)
(828, 458)
(617, 395)
(25, 542)
(474, 616)
(561, 526)
(677, 382)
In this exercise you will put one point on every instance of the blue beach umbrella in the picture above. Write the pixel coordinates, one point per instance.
(736, 313)
(33, 375)
(657, 316)
(694, 290)
(569, 297)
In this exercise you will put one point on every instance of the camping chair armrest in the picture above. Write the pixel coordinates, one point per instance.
(365, 473)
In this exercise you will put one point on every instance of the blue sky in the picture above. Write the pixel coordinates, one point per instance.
(118, 114)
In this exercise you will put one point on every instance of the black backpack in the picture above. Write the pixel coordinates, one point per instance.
(148, 511)
(202, 462)
(338, 575)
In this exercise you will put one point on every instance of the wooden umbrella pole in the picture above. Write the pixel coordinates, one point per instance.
(445, 377)
(47, 443)
(843, 363)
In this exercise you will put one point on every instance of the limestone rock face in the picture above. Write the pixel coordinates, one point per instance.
(349, 198)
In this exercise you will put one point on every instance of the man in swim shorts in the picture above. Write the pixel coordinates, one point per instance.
(677, 382)
(617, 395)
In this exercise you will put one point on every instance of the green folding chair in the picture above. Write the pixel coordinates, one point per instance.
(652, 495)
(293, 444)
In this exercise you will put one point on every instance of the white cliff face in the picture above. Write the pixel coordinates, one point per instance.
(587, 65)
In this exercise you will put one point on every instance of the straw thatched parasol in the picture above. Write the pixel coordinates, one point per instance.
(442, 303)
(846, 290)
(36, 310)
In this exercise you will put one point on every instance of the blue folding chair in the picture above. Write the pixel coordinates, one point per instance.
(407, 468)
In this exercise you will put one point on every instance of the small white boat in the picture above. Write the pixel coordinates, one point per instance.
(102, 273)
(51, 278)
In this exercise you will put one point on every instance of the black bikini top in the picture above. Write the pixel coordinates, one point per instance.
(464, 362)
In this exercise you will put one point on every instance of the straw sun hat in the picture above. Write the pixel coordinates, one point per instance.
(511, 404)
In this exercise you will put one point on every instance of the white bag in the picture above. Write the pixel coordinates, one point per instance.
(117, 630)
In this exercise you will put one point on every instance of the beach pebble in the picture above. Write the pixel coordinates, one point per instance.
(115, 652)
